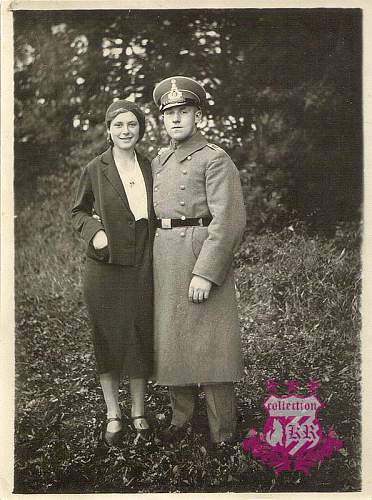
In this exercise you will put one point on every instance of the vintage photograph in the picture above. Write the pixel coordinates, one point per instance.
(188, 225)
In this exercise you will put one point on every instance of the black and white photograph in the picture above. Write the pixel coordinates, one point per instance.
(188, 217)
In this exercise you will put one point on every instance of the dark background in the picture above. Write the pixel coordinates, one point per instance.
(284, 86)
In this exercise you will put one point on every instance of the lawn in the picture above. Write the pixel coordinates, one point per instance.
(299, 309)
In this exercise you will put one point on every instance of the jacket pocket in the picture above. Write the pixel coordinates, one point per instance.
(101, 254)
(198, 237)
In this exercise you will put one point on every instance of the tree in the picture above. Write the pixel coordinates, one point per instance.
(283, 85)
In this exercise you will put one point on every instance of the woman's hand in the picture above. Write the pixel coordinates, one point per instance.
(100, 240)
(199, 289)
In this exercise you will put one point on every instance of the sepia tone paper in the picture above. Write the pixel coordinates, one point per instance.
(7, 225)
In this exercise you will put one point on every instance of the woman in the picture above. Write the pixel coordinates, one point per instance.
(113, 214)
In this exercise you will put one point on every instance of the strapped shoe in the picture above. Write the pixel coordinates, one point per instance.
(111, 438)
(142, 433)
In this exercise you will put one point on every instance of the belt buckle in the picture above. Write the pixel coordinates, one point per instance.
(200, 221)
(166, 223)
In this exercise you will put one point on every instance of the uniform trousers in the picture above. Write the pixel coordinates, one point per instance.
(221, 408)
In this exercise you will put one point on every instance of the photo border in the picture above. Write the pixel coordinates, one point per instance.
(7, 324)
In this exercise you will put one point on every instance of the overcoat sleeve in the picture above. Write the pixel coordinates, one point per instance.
(81, 212)
(226, 205)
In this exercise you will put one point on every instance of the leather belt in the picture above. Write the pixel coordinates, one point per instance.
(170, 223)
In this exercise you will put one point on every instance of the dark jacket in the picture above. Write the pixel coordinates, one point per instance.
(101, 192)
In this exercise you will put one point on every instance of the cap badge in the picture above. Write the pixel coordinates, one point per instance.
(174, 94)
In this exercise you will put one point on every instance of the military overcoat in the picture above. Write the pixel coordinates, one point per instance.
(196, 343)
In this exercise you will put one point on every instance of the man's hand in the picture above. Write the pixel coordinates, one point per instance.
(100, 240)
(199, 289)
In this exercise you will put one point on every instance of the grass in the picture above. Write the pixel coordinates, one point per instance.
(299, 310)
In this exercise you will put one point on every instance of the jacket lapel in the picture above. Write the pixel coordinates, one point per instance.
(147, 175)
(112, 174)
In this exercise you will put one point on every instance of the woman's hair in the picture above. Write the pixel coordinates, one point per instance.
(121, 106)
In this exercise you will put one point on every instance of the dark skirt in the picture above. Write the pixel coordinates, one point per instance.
(120, 307)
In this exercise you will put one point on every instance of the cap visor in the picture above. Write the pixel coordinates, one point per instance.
(174, 104)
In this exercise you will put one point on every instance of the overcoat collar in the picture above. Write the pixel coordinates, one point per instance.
(111, 172)
(185, 149)
(165, 154)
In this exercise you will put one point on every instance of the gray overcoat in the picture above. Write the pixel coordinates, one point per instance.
(196, 343)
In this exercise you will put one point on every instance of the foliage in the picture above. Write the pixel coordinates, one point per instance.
(299, 310)
(284, 94)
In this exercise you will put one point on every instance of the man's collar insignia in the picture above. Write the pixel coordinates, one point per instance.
(162, 150)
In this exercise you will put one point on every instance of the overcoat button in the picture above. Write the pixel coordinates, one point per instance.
(183, 171)
(182, 203)
(189, 157)
(183, 235)
(155, 189)
(155, 203)
(182, 187)
(183, 217)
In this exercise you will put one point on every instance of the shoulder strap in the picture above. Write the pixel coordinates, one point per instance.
(214, 147)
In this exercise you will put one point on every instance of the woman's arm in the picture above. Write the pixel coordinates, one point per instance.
(81, 213)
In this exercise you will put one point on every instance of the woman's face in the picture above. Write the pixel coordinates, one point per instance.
(124, 130)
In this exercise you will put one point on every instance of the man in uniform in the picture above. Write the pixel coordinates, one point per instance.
(200, 220)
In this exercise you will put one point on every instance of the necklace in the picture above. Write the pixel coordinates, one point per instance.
(126, 167)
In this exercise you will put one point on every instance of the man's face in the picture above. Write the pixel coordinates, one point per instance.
(180, 121)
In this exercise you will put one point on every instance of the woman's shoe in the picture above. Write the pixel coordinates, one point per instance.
(112, 438)
(142, 432)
